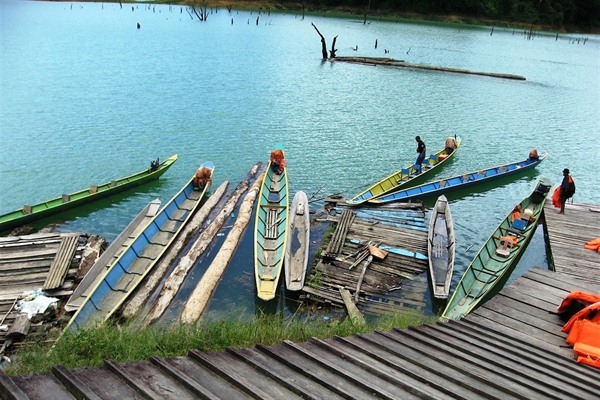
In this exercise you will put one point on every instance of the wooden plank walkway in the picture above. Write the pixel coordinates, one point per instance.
(565, 236)
(510, 348)
(62, 262)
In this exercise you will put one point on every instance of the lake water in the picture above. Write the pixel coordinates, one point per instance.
(86, 97)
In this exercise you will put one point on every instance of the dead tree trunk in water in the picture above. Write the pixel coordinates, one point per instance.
(366, 12)
(324, 45)
(333, 49)
(203, 15)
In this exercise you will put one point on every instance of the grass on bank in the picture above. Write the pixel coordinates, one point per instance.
(90, 348)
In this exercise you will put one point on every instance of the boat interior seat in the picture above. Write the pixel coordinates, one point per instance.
(273, 197)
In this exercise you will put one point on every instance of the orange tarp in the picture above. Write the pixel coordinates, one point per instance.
(556, 197)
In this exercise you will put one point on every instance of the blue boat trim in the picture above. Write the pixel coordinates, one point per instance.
(457, 182)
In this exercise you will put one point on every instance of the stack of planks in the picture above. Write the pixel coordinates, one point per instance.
(399, 281)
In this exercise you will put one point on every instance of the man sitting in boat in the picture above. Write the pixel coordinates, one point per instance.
(450, 145)
(154, 165)
(277, 161)
(201, 178)
(533, 155)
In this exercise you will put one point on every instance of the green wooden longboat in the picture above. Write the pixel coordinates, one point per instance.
(495, 261)
(406, 177)
(271, 231)
(36, 212)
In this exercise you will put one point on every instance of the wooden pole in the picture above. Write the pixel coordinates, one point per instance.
(356, 316)
(198, 300)
(362, 275)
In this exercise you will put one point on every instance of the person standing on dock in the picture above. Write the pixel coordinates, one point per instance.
(421, 150)
(567, 189)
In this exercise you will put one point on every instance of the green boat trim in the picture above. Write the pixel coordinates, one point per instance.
(497, 258)
(69, 201)
(270, 232)
(406, 177)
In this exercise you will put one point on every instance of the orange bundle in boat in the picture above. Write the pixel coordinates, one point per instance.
(202, 177)
(277, 161)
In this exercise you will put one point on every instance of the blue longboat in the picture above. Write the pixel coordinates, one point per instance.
(462, 181)
(144, 252)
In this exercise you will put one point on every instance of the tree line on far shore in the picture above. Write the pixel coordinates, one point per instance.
(568, 15)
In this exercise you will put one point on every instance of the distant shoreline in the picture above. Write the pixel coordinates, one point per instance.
(349, 12)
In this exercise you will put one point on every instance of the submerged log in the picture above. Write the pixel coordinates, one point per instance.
(198, 300)
(149, 284)
(400, 63)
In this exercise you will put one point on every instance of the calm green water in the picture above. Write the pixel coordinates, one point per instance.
(86, 97)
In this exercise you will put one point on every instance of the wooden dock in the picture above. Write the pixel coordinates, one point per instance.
(27, 263)
(510, 348)
(565, 236)
(378, 286)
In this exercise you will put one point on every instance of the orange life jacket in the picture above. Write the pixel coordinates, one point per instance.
(593, 244)
(591, 312)
(577, 295)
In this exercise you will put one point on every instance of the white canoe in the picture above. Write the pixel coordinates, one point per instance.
(296, 252)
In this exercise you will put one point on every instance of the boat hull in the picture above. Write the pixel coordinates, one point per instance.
(406, 177)
(270, 234)
(296, 253)
(458, 182)
(36, 212)
(441, 248)
(495, 261)
(138, 259)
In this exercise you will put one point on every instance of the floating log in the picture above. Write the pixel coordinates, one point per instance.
(198, 300)
(141, 294)
(177, 276)
(400, 63)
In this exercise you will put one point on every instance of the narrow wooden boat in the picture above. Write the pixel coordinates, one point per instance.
(271, 227)
(495, 261)
(462, 181)
(111, 254)
(296, 251)
(441, 248)
(406, 177)
(69, 201)
(138, 259)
